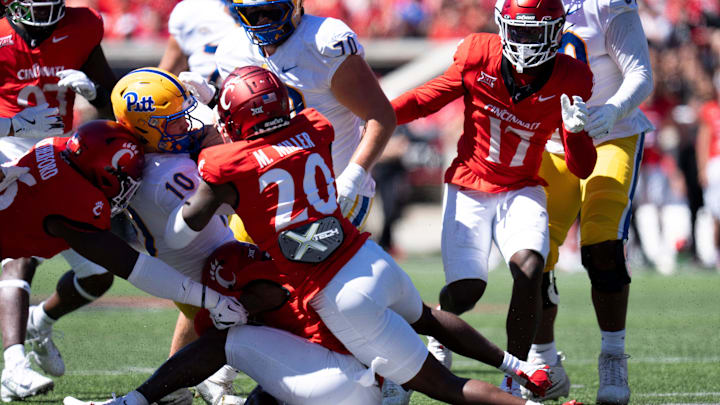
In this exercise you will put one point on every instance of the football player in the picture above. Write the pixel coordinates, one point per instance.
(516, 89)
(288, 203)
(172, 136)
(608, 37)
(50, 53)
(64, 192)
(708, 160)
(321, 61)
(308, 365)
(196, 27)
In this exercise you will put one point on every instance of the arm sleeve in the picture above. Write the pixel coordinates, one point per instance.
(435, 94)
(626, 44)
(580, 153)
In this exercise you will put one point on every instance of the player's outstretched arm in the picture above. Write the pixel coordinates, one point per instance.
(145, 272)
(98, 71)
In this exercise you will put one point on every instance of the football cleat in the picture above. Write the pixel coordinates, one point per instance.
(395, 394)
(614, 387)
(534, 377)
(558, 377)
(21, 382)
(44, 352)
(218, 393)
(441, 353)
(182, 396)
(113, 401)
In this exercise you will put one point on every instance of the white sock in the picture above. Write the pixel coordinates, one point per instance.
(40, 318)
(226, 375)
(547, 352)
(510, 364)
(613, 342)
(532, 403)
(135, 398)
(14, 355)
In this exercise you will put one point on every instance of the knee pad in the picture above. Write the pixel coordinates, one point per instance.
(606, 265)
(550, 297)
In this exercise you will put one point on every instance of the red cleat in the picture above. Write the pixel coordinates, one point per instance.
(573, 402)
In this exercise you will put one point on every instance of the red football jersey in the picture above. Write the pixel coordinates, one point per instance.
(285, 180)
(502, 141)
(710, 115)
(295, 316)
(28, 76)
(51, 188)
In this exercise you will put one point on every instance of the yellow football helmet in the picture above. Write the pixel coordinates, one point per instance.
(267, 22)
(157, 108)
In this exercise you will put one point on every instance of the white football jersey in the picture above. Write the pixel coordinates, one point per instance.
(584, 39)
(198, 26)
(168, 180)
(306, 63)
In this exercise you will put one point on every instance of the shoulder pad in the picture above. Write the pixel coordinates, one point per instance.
(615, 7)
(335, 39)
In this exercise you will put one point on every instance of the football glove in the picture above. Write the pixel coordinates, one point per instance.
(228, 312)
(198, 86)
(601, 121)
(534, 377)
(78, 82)
(574, 115)
(38, 122)
(10, 174)
(348, 184)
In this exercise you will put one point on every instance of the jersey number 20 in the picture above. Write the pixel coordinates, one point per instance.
(286, 191)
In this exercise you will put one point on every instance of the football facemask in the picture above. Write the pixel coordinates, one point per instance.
(36, 13)
(267, 22)
(530, 30)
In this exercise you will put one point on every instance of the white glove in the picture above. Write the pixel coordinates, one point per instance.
(38, 122)
(78, 82)
(198, 86)
(574, 115)
(602, 119)
(228, 312)
(11, 173)
(348, 184)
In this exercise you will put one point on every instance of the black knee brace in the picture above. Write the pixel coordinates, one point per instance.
(606, 265)
(550, 297)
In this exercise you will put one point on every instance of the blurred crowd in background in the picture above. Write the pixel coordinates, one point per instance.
(684, 37)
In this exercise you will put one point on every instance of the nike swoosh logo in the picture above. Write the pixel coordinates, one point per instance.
(28, 121)
(541, 98)
(55, 40)
(285, 70)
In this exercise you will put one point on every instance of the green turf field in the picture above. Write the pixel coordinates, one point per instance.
(674, 336)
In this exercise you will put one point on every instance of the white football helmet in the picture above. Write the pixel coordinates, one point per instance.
(41, 13)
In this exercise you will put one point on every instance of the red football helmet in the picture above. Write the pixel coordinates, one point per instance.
(223, 269)
(253, 101)
(110, 157)
(531, 30)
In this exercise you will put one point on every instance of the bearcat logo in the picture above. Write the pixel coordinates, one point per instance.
(128, 148)
(137, 104)
(216, 266)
